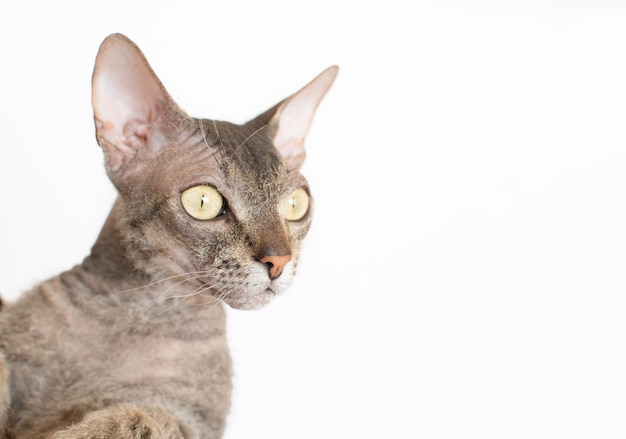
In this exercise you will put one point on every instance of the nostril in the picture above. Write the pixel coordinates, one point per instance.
(275, 264)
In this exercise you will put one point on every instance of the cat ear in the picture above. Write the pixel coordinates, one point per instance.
(294, 116)
(129, 102)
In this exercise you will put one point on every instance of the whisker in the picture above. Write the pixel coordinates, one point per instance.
(251, 136)
(195, 274)
(220, 294)
(219, 139)
(182, 298)
(201, 125)
(219, 136)
(166, 294)
(217, 147)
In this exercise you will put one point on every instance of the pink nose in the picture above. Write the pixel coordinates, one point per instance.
(275, 264)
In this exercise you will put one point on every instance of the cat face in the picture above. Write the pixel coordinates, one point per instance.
(232, 216)
(223, 204)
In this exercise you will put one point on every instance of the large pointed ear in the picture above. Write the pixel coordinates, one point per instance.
(294, 115)
(129, 102)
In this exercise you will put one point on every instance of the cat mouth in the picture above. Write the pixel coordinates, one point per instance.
(269, 291)
(253, 292)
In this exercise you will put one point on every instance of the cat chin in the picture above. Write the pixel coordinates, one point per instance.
(257, 300)
(251, 302)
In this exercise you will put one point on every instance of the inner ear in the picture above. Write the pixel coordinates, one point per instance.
(294, 116)
(128, 101)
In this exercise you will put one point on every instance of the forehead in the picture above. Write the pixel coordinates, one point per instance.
(246, 154)
(228, 155)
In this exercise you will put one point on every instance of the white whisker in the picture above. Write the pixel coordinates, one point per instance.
(197, 275)
(251, 136)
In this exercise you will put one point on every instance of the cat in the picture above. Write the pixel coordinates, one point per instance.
(131, 343)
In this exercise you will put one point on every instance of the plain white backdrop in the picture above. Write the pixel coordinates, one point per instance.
(466, 273)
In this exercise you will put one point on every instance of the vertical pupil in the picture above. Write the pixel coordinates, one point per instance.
(202, 198)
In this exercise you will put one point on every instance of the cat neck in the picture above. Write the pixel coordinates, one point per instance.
(158, 304)
(123, 259)
(109, 258)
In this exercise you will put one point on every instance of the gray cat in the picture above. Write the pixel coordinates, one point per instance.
(131, 343)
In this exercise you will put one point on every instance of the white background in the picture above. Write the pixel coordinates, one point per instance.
(465, 275)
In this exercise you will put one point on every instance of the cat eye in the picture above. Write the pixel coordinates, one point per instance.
(296, 206)
(203, 202)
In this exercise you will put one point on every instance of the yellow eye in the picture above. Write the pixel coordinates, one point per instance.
(203, 202)
(296, 206)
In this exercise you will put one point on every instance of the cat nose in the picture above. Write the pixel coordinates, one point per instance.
(275, 264)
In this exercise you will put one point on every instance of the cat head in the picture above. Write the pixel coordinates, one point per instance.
(222, 205)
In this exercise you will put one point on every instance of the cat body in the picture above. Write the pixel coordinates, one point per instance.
(131, 343)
